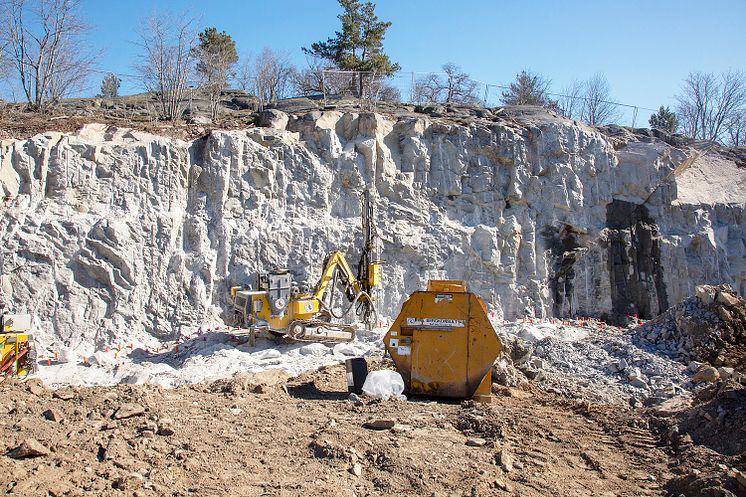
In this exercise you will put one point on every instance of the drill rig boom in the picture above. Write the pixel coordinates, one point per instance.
(284, 309)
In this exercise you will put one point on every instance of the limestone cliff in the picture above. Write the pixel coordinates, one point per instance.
(113, 233)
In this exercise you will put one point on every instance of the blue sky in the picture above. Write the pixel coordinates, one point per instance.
(645, 48)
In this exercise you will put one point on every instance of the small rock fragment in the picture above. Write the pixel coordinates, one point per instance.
(476, 442)
(521, 351)
(706, 374)
(165, 427)
(694, 366)
(129, 410)
(706, 294)
(741, 478)
(111, 396)
(165, 430)
(52, 415)
(727, 299)
(357, 469)
(28, 448)
(380, 424)
(726, 373)
(501, 485)
(35, 386)
(505, 460)
(64, 394)
(131, 481)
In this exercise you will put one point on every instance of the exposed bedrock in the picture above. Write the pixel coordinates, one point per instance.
(113, 233)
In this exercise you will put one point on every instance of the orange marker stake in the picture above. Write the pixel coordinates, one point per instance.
(177, 347)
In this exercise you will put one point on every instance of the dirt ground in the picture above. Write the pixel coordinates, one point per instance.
(252, 436)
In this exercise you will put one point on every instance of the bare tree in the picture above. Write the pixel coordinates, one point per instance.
(427, 89)
(310, 80)
(459, 86)
(571, 100)
(597, 105)
(167, 59)
(737, 129)
(383, 91)
(44, 41)
(708, 104)
(452, 85)
(268, 76)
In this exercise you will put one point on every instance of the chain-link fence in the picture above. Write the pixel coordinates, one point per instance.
(433, 88)
(368, 90)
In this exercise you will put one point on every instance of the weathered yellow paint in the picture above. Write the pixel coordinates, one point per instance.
(374, 275)
(446, 286)
(443, 344)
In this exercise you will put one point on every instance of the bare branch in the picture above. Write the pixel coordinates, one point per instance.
(44, 39)
(709, 106)
(269, 76)
(597, 105)
(310, 81)
(166, 61)
(452, 86)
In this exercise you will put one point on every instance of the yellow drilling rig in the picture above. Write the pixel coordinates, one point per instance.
(287, 310)
(16, 342)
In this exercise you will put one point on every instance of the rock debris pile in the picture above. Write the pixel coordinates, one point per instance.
(682, 353)
(590, 362)
(709, 327)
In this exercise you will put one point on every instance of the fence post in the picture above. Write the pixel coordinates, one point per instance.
(323, 85)
(411, 90)
(634, 117)
(486, 93)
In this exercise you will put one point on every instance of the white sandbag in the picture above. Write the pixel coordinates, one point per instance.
(384, 385)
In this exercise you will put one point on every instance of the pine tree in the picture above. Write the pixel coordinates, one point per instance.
(527, 89)
(216, 55)
(665, 120)
(359, 45)
(110, 86)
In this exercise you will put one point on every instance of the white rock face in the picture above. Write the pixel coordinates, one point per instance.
(117, 235)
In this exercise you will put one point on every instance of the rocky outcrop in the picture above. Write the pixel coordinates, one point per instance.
(113, 233)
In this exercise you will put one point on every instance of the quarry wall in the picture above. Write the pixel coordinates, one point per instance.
(112, 233)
